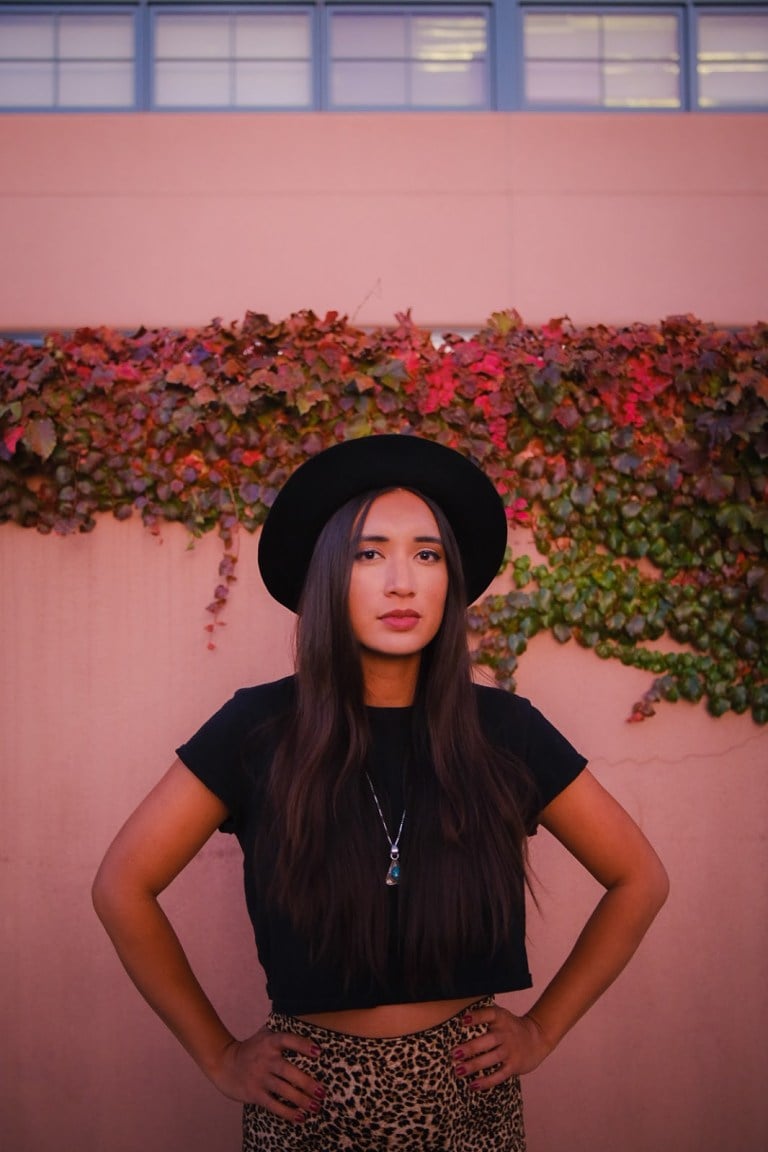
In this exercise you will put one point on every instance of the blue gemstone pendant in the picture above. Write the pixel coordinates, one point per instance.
(393, 872)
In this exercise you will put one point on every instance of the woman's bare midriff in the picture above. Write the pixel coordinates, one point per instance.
(389, 1020)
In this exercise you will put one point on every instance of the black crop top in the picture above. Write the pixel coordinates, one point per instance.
(225, 757)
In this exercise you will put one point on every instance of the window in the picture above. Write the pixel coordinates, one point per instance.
(732, 61)
(384, 55)
(246, 58)
(73, 59)
(602, 59)
(408, 59)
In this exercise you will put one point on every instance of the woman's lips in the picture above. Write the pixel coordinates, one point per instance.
(400, 621)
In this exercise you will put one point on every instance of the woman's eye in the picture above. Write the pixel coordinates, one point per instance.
(366, 554)
(429, 555)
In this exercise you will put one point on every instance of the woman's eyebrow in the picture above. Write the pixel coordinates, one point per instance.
(371, 539)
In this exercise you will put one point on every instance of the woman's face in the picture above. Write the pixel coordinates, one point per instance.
(399, 578)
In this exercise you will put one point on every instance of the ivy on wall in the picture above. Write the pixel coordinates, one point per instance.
(635, 457)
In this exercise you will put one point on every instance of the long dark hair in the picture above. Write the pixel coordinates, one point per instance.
(465, 863)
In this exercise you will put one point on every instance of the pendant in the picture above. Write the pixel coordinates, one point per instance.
(393, 872)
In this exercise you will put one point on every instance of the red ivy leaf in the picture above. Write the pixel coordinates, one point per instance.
(11, 439)
(40, 437)
(205, 395)
(190, 375)
(566, 415)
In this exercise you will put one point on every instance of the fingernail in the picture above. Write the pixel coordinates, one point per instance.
(313, 1106)
(467, 1019)
(320, 1093)
(314, 1050)
(458, 1054)
(460, 1070)
(299, 1118)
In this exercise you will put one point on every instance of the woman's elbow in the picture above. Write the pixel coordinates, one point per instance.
(102, 893)
(656, 884)
(109, 891)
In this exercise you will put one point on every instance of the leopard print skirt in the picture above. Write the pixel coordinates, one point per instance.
(399, 1093)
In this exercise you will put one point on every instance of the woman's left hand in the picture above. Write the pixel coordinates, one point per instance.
(511, 1046)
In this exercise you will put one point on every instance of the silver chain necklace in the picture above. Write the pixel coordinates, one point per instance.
(393, 872)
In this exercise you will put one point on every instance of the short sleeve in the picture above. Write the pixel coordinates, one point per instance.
(215, 755)
(551, 758)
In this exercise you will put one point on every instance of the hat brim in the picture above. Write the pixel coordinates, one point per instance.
(324, 483)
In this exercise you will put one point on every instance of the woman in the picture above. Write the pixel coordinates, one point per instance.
(383, 803)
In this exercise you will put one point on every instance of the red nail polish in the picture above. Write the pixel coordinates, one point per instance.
(467, 1019)
(458, 1054)
(460, 1070)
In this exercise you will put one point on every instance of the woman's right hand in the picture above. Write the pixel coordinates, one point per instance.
(158, 840)
(260, 1071)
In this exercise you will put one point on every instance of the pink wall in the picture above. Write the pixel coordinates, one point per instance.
(104, 670)
(174, 219)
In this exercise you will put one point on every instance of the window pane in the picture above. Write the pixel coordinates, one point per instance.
(279, 83)
(360, 36)
(724, 85)
(184, 37)
(192, 83)
(92, 85)
(449, 85)
(369, 84)
(96, 37)
(448, 38)
(234, 60)
(84, 60)
(26, 37)
(610, 59)
(403, 59)
(741, 35)
(733, 60)
(273, 36)
(563, 82)
(640, 37)
(561, 37)
(642, 85)
(26, 85)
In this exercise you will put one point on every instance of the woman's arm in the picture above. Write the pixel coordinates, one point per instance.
(161, 837)
(603, 837)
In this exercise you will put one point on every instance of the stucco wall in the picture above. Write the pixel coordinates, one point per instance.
(174, 219)
(105, 669)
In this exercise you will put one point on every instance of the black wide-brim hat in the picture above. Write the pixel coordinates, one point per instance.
(324, 483)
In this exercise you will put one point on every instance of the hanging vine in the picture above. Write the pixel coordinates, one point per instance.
(636, 458)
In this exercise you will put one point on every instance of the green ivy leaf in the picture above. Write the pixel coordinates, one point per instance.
(617, 444)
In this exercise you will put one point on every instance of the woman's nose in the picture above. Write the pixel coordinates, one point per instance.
(399, 577)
